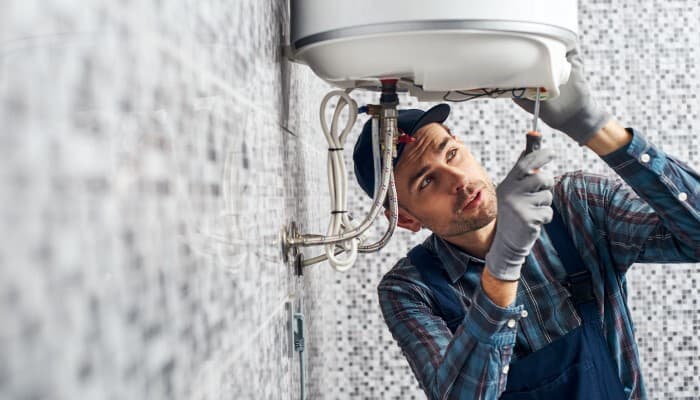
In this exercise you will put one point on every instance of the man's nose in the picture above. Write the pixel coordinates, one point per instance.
(456, 179)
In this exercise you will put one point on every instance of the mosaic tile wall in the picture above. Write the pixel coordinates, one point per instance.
(149, 153)
(642, 62)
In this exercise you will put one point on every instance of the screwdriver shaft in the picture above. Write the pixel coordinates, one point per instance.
(536, 114)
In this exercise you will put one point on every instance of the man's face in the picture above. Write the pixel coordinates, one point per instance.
(442, 186)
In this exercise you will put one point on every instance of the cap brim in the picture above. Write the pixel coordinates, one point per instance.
(438, 113)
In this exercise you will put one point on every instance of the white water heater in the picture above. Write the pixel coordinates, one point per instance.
(438, 49)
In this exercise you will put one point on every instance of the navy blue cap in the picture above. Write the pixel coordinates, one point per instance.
(409, 121)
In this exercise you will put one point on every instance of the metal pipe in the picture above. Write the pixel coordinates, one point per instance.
(389, 127)
(393, 220)
(379, 244)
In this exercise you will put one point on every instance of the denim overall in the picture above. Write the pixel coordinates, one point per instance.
(576, 366)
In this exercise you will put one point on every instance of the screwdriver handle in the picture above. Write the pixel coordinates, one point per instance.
(533, 141)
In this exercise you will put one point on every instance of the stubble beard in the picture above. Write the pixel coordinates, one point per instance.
(483, 216)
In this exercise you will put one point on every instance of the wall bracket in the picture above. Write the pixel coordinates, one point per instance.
(289, 251)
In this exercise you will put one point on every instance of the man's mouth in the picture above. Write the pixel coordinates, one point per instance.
(472, 202)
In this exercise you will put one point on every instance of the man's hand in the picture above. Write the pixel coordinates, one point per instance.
(574, 112)
(524, 204)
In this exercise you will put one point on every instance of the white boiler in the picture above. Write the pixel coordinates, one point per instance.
(438, 49)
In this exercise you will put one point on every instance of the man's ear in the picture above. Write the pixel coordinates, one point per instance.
(406, 220)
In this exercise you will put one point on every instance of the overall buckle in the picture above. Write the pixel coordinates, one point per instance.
(580, 286)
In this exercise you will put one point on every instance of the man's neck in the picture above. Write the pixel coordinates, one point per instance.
(476, 243)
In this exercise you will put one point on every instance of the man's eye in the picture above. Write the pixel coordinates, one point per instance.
(425, 182)
(452, 154)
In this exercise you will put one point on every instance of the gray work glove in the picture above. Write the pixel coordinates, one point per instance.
(574, 111)
(524, 204)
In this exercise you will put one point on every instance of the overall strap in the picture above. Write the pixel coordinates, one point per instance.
(433, 275)
(429, 266)
(578, 279)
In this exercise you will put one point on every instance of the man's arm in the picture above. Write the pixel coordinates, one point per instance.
(669, 188)
(611, 137)
(656, 218)
(653, 218)
(659, 221)
(467, 365)
(501, 292)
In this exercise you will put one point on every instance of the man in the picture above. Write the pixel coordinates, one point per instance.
(491, 305)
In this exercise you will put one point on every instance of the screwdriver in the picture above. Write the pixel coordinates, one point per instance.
(534, 138)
